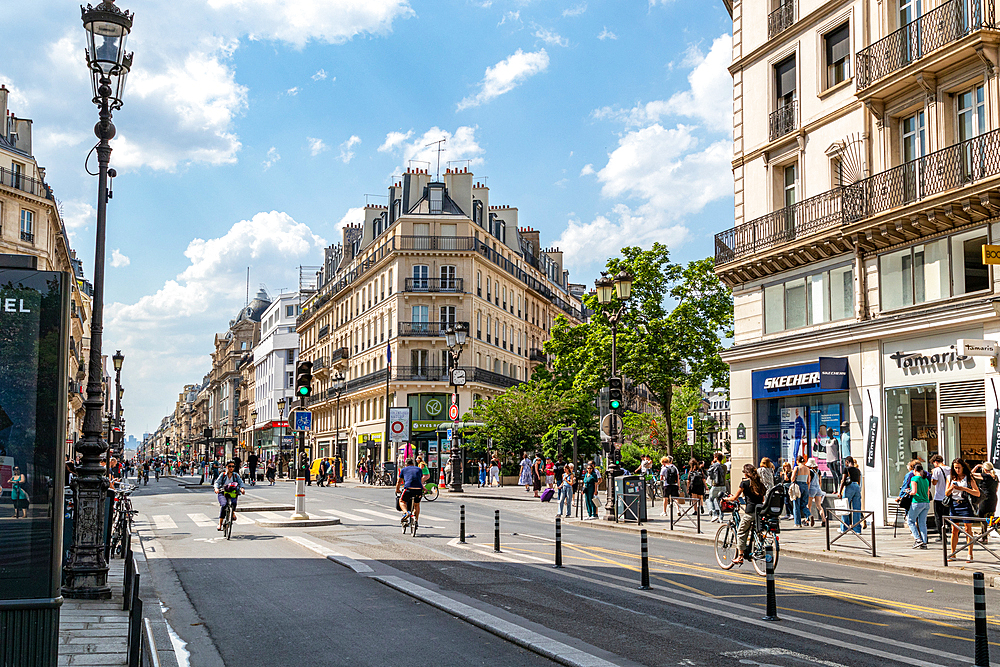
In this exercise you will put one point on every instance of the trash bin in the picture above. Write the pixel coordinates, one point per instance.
(630, 496)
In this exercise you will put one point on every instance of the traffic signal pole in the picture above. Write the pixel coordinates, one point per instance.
(303, 387)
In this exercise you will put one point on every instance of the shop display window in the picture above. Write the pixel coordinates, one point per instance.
(812, 425)
(910, 429)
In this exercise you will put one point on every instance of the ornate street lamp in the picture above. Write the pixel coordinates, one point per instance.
(107, 28)
(339, 386)
(607, 290)
(455, 338)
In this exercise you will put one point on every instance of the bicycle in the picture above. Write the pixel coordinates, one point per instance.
(227, 520)
(145, 478)
(760, 536)
(431, 491)
(121, 523)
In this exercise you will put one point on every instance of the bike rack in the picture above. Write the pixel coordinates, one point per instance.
(976, 540)
(848, 528)
(686, 514)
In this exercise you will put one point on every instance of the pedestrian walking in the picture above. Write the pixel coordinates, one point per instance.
(550, 474)
(986, 478)
(252, 462)
(850, 490)
(801, 492)
(670, 478)
(482, 473)
(815, 493)
(961, 489)
(766, 472)
(338, 470)
(270, 472)
(716, 475)
(525, 478)
(916, 516)
(17, 493)
(537, 472)
(939, 483)
(494, 472)
(589, 489)
(696, 484)
(566, 492)
(786, 479)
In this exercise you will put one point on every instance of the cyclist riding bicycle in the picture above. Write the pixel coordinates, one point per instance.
(753, 489)
(410, 483)
(228, 487)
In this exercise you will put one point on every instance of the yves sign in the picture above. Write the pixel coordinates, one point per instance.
(826, 374)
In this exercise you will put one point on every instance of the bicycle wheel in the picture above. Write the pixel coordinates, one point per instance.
(725, 546)
(413, 526)
(760, 553)
(431, 492)
(228, 525)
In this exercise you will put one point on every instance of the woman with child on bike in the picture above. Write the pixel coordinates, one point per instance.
(752, 489)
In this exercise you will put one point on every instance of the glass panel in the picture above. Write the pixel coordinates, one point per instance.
(930, 265)
(842, 293)
(966, 113)
(970, 274)
(896, 280)
(774, 308)
(449, 230)
(795, 303)
(435, 200)
(819, 299)
(790, 178)
(914, 143)
(911, 429)
(421, 229)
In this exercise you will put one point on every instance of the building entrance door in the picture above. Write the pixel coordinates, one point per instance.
(965, 437)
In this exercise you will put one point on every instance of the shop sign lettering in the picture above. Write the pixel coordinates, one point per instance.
(799, 380)
(942, 360)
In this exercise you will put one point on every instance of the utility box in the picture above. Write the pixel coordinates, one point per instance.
(630, 496)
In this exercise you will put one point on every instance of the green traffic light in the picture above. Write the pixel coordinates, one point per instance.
(615, 405)
(303, 391)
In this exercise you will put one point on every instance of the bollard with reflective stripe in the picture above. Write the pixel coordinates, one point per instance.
(496, 532)
(645, 560)
(772, 602)
(461, 533)
(558, 541)
(982, 642)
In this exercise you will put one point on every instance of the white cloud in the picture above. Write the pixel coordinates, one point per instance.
(346, 154)
(319, 76)
(394, 139)
(506, 75)
(118, 260)
(606, 34)
(168, 334)
(551, 38)
(587, 169)
(459, 146)
(354, 216)
(316, 146)
(512, 17)
(708, 99)
(293, 91)
(575, 11)
(272, 158)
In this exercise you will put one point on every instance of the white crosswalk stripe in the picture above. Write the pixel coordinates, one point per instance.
(381, 515)
(425, 515)
(273, 516)
(164, 521)
(348, 517)
(202, 521)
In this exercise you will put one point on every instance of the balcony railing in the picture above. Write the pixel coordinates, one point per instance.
(428, 373)
(437, 243)
(323, 331)
(426, 328)
(338, 354)
(319, 363)
(535, 354)
(782, 120)
(781, 18)
(433, 285)
(953, 167)
(27, 237)
(938, 27)
(21, 182)
(495, 379)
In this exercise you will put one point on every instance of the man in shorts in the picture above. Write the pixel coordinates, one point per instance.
(410, 485)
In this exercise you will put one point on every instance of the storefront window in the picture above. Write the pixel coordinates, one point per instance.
(813, 425)
(910, 429)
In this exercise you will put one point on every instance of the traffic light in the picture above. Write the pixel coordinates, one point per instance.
(614, 393)
(303, 379)
(208, 433)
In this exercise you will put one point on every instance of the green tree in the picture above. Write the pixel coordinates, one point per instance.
(670, 336)
(517, 419)
(686, 402)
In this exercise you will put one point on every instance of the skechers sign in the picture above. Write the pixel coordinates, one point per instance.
(827, 374)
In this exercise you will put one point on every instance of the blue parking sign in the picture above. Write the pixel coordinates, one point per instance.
(303, 420)
(449, 434)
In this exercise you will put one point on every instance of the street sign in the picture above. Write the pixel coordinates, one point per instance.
(449, 434)
(690, 438)
(302, 420)
(991, 254)
(690, 422)
(976, 348)
(453, 412)
(399, 424)
(654, 442)
(288, 442)
(606, 424)
(458, 377)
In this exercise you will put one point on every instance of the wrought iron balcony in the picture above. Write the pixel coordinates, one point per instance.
(535, 354)
(781, 18)
(319, 363)
(323, 331)
(783, 120)
(426, 328)
(27, 237)
(950, 168)
(935, 29)
(437, 243)
(427, 373)
(495, 379)
(433, 285)
(21, 182)
(339, 354)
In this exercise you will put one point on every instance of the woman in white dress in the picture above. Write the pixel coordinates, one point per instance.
(525, 478)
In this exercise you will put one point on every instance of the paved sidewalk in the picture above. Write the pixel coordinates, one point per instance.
(95, 632)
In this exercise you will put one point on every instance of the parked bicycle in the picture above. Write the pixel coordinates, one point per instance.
(761, 535)
(121, 521)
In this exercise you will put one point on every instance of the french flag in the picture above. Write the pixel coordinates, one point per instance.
(388, 355)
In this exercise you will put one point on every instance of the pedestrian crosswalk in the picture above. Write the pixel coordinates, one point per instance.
(356, 515)
(344, 516)
(164, 522)
(201, 520)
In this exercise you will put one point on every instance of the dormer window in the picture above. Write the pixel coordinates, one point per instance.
(435, 197)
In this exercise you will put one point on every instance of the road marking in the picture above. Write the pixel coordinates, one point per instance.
(330, 554)
(164, 522)
(771, 652)
(512, 632)
(202, 521)
(272, 516)
(349, 517)
(381, 515)
(816, 613)
(964, 639)
(425, 515)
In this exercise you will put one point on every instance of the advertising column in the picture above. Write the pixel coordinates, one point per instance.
(33, 315)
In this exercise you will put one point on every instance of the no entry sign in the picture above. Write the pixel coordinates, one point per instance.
(399, 424)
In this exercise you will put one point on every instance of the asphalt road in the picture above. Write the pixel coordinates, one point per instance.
(261, 595)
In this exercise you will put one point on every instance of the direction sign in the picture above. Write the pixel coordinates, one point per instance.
(453, 412)
(606, 424)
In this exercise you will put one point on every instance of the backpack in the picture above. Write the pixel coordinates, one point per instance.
(671, 474)
(718, 474)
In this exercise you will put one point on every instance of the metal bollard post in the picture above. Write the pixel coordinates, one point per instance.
(461, 534)
(644, 585)
(496, 532)
(671, 514)
(772, 602)
(982, 642)
(558, 541)
(697, 514)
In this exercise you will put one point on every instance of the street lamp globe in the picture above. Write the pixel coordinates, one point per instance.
(604, 289)
(450, 337)
(253, 416)
(281, 407)
(118, 359)
(461, 334)
(107, 29)
(623, 285)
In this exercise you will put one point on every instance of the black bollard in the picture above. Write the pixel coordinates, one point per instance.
(645, 560)
(558, 541)
(496, 532)
(772, 602)
(982, 643)
(461, 534)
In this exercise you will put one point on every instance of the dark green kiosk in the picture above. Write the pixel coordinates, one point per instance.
(34, 310)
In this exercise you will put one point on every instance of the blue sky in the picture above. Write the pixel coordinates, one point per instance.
(253, 129)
